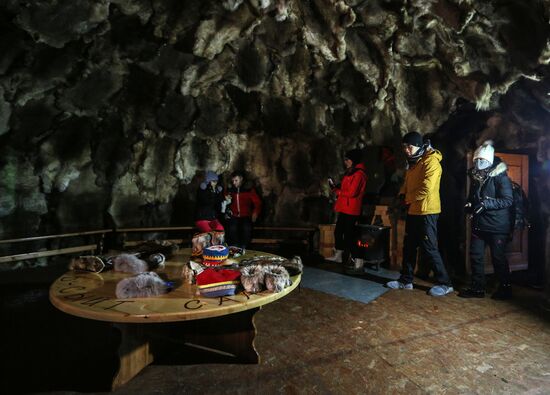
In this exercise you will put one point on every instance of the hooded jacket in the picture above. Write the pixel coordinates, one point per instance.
(421, 186)
(351, 191)
(494, 192)
(244, 201)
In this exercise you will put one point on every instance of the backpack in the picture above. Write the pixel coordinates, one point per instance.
(519, 208)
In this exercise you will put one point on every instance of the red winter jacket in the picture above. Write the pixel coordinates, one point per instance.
(350, 193)
(244, 202)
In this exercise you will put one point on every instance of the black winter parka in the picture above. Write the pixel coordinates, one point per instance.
(494, 193)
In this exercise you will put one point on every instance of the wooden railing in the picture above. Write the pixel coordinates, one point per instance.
(94, 240)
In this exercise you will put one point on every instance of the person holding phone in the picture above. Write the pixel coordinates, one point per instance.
(348, 204)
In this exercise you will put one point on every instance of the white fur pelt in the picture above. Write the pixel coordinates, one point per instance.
(256, 278)
(128, 263)
(143, 285)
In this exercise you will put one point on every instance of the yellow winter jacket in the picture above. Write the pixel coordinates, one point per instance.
(421, 186)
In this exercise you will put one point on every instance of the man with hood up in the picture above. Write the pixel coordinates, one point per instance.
(489, 203)
(421, 193)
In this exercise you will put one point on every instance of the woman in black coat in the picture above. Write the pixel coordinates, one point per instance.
(489, 205)
(209, 204)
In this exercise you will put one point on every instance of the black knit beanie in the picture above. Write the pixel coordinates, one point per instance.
(354, 155)
(413, 138)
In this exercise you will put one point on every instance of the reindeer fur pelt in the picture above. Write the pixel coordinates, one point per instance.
(257, 277)
(129, 264)
(142, 286)
(293, 266)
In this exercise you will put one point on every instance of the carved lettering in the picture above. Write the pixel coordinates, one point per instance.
(118, 304)
(74, 297)
(95, 300)
(64, 279)
(68, 289)
(225, 299)
(188, 307)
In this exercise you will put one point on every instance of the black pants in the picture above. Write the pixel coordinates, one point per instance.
(345, 232)
(497, 246)
(421, 232)
(239, 231)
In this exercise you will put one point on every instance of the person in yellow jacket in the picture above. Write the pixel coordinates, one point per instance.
(421, 194)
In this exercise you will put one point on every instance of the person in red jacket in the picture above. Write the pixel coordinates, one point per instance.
(348, 206)
(244, 208)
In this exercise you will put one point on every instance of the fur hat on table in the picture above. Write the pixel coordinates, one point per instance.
(142, 286)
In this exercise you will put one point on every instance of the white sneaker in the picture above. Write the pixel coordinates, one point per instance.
(440, 290)
(398, 285)
(356, 267)
(337, 257)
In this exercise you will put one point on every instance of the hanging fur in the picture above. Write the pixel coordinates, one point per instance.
(129, 264)
(143, 285)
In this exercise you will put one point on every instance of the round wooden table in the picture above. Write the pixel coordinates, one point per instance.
(188, 327)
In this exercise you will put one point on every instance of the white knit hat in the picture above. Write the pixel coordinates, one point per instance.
(485, 151)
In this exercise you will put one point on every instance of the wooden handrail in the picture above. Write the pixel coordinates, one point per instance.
(162, 229)
(41, 254)
(59, 236)
(91, 247)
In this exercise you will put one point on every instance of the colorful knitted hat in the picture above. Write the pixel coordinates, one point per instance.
(218, 282)
(214, 255)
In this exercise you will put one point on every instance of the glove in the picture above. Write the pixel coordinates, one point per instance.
(479, 208)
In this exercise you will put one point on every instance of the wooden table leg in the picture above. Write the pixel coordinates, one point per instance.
(134, 352)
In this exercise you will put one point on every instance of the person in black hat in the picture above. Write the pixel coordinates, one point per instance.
(348, 204)
(421, 193)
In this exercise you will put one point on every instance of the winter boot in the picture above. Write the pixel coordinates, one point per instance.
(337, 257)
(503, 292)
(355, 266)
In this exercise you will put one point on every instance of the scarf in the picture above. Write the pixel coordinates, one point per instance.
(413, 159)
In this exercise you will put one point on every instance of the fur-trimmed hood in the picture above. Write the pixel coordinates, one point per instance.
(499, 167)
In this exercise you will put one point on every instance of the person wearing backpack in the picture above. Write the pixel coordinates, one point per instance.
(489, 205)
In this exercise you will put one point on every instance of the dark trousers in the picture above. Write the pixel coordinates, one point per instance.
(421, 232)
(345, 232)
(497, 246)
(239, 231)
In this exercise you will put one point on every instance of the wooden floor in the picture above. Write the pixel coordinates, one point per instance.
(404, 342)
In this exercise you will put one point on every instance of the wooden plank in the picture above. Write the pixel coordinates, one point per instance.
(275, 228)
(59, 236)
(161, 229)
(133, 243)
(41, 254)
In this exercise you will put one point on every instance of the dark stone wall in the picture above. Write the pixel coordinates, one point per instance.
(111, 110)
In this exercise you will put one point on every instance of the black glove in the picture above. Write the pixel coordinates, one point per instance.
(479, 208)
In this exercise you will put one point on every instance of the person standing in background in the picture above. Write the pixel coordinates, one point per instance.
(421, 194)
(243, 211)
(489, 205)
(348, 205)
(209, 204)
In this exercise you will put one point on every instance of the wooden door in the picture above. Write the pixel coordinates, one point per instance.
(517, 253)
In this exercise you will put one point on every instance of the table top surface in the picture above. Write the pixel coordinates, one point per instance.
(92, 295)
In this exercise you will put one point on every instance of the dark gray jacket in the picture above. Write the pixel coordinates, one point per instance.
(493, 191)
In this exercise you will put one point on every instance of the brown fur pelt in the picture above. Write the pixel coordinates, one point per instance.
(294, 265)
(202, 240)
(257, 277)
(143, 285)
(129, 263)
(89, 263)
